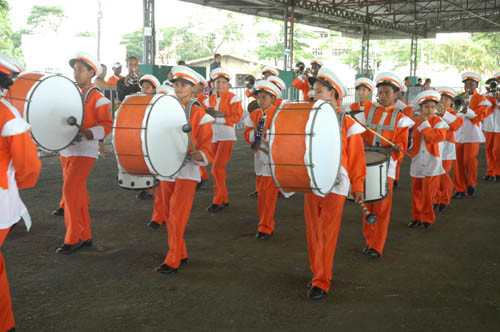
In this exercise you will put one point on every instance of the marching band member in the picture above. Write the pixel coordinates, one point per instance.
(200, 96)
(19, 169)
(364, 86)
(78, 159)
(324, 214)
(426, 163)
(256, 126)
(469, 136)
(491, 129)
(117, 70)
(178, 191)
(149, 84)
(302, 82)
(447, 147)
(229, 112)
(266, 72)
(387, 121)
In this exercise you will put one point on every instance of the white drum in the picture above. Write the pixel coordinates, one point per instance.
(46, 101)
(376, 185)
(148, 137)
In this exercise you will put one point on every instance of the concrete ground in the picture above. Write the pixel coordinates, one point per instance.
(445, 279)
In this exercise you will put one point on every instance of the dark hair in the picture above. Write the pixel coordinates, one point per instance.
(395, 89)
(103, 65)
(328, 86)
(427, 80)
(419, 79)
(406, 78)
(181, 63)
(131, 57)
(5, 81)
(265, 91)
(217, 55)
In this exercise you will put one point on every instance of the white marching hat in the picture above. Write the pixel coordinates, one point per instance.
(7, 66)
(88, 59)
(151, 79)
(166, 90)
(366, 82)
(221, 72)
(271, 70)
(185, 74)
(278, 81)
(201, 80)
(267, 86)
(317, 61)
(447, 91)
(327, 77)
(426, 95)
(470, 75)
(390, 79)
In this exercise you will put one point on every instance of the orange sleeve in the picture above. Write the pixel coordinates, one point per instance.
(235, 112)
(301, 85)
(434, 135)
(103, 115)
(356, 162)
(248, 129)
(204, 140)
(480, 110)
(457, 123)
(25, 160)
(401, 139)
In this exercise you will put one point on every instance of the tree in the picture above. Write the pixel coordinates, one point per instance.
(43, 17)
(133, 43)
(85, 34)
(10, 42)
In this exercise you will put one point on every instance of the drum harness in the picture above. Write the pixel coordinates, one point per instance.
(340, 118)
(187, 112)
(85, 96)
(380, 127)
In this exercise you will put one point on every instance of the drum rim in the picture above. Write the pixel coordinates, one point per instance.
(375, 163)
(33, 89)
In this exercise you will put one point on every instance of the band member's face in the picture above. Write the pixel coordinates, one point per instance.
(147, 87)
(386, 95)
(445, 101)
(265, 100)
(117, 71)
(183, 90)
(221, 84)
(470, 86)
(363, 92)
(132, 65)
(266, 74)
(315, 68)
(198, 88)
(321, 92)
(83, 75)
(428, 108)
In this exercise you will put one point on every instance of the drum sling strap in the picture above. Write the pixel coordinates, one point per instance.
(340, 118)
(87, 94)
(380, 126)
(187, 112)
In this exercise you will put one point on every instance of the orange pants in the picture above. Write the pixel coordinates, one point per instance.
(376, 234)
(423, 191)
(398, 169)
(64, 164)
(158, 209)
(75, 196)
(178, 199)
(492, 153)
(222, 151)
(204, 173)
(268, 195)
(323, 218)
(465, 167)
(6, 315)
(443, 194)
(257, 180)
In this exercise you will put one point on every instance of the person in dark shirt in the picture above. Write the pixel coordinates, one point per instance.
(216, 63)
(129, 84)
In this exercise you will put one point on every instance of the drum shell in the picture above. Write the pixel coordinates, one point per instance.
(136, 182)
(376, 186)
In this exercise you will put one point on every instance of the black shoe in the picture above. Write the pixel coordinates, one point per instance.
(144, 194)
(68, 248)
(495, 178)
(395, 185)
(58, 212)
(414, 224)
(488, 178)
(309, 284)
(442, 207)
(373, 253)
(87, 243)
(213, 208)
(262, 236)
(365, 250)
(458, 195)
(427, 225)
(254, 194)
(165, 269)
(471, 190)
(184, 261)
(154, 225)
(316, 293)
(435, 207)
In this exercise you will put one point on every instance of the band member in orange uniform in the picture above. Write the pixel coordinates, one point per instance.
(491, 129)
(78, 159)
(447, 149)
(256, 126)
(303, 81)
(201, 97)
(117, 70)
(426, 163)
(178, 191)
(229, 112)
(324, 214)
(469, 136)
(266, 72)
(19, 168)
(393, 125)
(364, 87)
(409, 111)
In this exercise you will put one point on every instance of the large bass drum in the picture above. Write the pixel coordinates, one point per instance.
(46, 101)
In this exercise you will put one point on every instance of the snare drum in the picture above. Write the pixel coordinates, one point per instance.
(305, 147)
(148, 137)
(376, 185)
(46, 101)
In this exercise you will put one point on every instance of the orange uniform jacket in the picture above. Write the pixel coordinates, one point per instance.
(230, 105)
(357, 106)
(301, 83)
(113, 79)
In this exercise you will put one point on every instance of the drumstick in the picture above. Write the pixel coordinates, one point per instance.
(370, 218)
(187, 129)
(72, 122)
(382, 137)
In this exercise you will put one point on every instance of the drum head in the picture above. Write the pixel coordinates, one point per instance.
(163, 140)
(323, 148)
(374, 157)
(51, 102)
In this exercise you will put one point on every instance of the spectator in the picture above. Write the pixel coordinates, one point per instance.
(427, 84)
(419, 82)
(216, 63)
(101, 83)
(117, 70)
(407, 82)
(129, 84)
(181, 63)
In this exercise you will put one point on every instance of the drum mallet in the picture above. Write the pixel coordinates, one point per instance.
(385, 139)
(370, 218)
(72, 122)
(187, 129)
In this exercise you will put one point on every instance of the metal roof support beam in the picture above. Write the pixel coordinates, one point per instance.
(413, 56)
(148, 38)
(286, 51)
(365, 53)
(348, 15)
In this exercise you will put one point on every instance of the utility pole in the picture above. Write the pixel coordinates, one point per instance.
(99, 17)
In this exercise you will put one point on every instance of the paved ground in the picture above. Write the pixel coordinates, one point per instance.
(445, 279)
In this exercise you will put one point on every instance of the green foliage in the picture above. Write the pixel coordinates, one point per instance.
(133, 44)
(85, 34)
(10, 42)
(45, 17)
